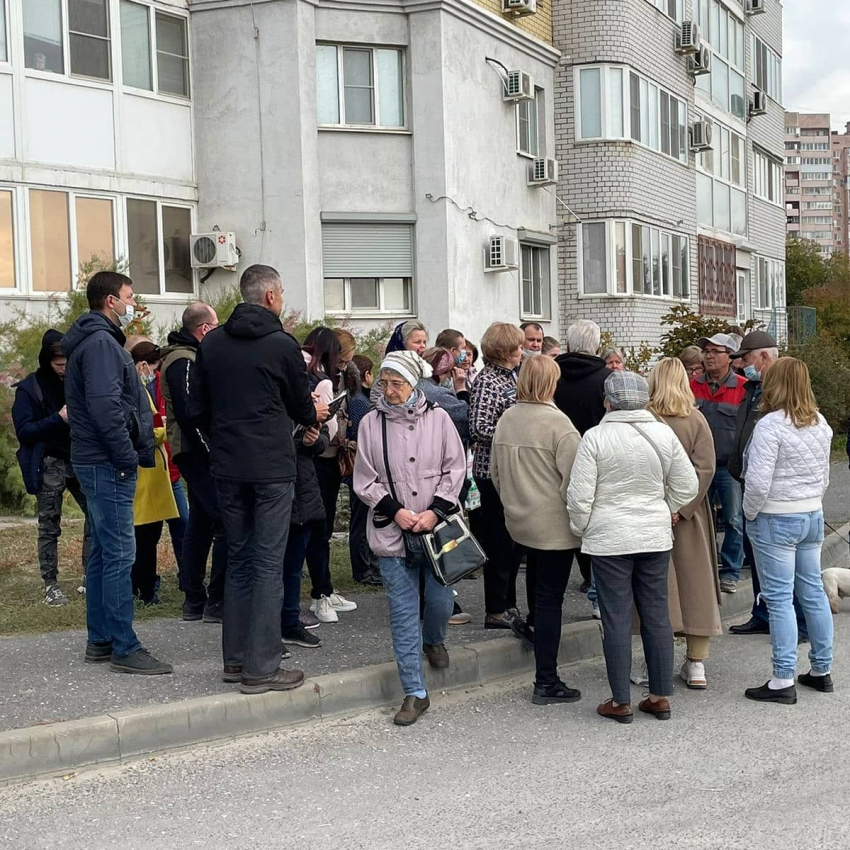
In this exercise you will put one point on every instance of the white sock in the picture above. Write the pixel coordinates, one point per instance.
(778, 684)
(812, 673)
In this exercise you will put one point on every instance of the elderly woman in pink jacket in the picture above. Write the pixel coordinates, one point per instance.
(409, 470)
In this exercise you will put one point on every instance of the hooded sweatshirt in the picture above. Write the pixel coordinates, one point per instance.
(249, 385)
(581, 389)
(178, 365)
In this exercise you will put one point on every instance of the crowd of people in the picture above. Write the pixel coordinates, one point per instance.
(555, 454)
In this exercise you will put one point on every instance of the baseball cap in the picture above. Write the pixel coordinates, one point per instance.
(728, 341)
(756, 340)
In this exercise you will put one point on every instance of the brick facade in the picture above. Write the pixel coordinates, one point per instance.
(538, 25)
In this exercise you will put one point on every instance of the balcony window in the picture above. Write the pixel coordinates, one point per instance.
(136, 46)
(7, 241)
(158, 240)
(50, 240)
(172, 55)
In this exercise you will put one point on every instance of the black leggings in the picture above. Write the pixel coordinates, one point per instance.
(319, 547)
(144, 567)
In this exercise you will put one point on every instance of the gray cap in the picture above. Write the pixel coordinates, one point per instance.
(626, 391)
(728, 341)
(756, 340)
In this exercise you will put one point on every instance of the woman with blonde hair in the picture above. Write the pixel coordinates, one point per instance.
(533, 451)
(694, 560)
(786, 473)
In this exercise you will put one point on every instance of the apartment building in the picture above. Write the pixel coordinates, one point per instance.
(671, 161)
(841, 189)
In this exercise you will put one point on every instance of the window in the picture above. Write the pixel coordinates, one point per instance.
(172, 55)
(671, 8)
(816, 175)
(743, 293)
(360, 86)
(717, 277)
(817, 205)
(368, 268)
(94, 230)
(50, 238)
(724, 34)
(721, 187)
(136, 46)
(158, 247)
(625, 257)
(7, 241)
(531, 128)
(768, 73)
(767, 177)
(534, 271)
(43, 43)
(770, 284)
(161, 54)
(615, 103)
(4, 54)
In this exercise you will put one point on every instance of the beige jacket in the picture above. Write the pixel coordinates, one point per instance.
(533, 451)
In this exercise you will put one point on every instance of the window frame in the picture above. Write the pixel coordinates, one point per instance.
(715, 174)
(771, 173)
(776, 274)
(544, 281)
(375, 126)
(772, 82)
(155, 51)
(18, 270)
(672, 239)
(629, 115)
(5, 32)
(663, 6)
(539, 124)
(380, 311)
(730, 58)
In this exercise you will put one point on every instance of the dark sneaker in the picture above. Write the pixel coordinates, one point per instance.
(140, 662)
(214, 612)
(817, 683)
(54, 596)
(283, 680)
(784, 696)
(438, 656)
(524, 632)
(192, 612)
(411, 710)
(497, 621)
(232, 674)
(98, 653)
(299, 636)
(308, 619)
(728, 585)
(554, 694)
(584, 586)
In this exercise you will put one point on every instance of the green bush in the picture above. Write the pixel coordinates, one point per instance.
(686, 327)
(829, 366)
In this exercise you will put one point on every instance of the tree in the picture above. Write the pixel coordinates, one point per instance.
(686, 327)
(805, 269)
(831, 299)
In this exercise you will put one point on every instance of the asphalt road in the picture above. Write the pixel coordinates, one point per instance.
(486, 768)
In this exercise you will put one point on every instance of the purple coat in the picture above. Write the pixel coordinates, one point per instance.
(428, 465)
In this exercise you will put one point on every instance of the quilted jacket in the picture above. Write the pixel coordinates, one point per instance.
(786, 469)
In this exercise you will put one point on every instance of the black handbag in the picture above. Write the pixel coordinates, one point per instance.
(450, 549)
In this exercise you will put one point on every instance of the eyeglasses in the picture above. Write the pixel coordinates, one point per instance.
(695, 370)
(395, 386)
(715, 352)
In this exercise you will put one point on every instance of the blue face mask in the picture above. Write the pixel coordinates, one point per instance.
(751, 373)
(461, 358)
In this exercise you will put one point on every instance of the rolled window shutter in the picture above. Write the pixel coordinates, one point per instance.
(367, 250)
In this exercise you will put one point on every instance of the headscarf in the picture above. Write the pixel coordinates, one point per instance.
(441, 360)
(408, 364)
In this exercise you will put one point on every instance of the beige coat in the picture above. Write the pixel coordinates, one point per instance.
(694, 547)
(533, 451)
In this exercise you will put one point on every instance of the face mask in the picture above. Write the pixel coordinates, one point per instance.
(461, 358)
(149, 378)
(127, 316)
(751, 373)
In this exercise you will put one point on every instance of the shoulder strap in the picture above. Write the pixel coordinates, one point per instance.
(387, 455)
(654, 448)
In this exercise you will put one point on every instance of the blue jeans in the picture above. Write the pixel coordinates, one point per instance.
(787, 549)
(727, 491)
(402, 586)
(592, 593)
(109, 587)
(177, 526)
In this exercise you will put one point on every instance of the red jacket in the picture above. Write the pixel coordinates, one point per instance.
(721, 411)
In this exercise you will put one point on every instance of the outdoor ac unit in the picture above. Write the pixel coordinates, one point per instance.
(519, 7)
(518, 86)
(687, 39)
(543, 172)
(700, 62)
(502, 254)
(701, 133)
(216, 250)
(758, 103)
(755, 7)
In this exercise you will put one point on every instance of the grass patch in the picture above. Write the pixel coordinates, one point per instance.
(22, 590)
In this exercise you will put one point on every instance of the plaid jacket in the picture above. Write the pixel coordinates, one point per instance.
(493, 392)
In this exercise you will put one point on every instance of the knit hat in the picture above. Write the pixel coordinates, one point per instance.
(408, 364)
(626, 391)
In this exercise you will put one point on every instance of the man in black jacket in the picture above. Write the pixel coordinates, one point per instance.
(111, 437)
(249, 387)
(40, 417)
(192, 457)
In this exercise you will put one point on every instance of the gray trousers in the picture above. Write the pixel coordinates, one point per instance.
(642, 579)
(57, 477)
(256, 525)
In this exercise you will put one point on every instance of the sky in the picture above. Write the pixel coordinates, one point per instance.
(816, 61)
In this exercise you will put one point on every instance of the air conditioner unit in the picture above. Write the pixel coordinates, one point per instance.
(502, 254)
(755, 7)
(519, 7)
(701, 134)
(758, 103)
(700, 62)
(687, 39)
(518, 86)
(543, 172)
(216, 250)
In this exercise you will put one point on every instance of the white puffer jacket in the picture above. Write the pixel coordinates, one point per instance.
(786, 469)
(620, 499)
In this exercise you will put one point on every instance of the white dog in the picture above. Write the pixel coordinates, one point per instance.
(836, 583)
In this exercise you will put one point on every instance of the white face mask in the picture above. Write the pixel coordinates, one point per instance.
(125, 318)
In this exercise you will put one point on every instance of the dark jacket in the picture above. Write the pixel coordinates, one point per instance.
(580, 392)
(177, 367)
(457, 408)
(35, 414)
(747, 416)
(721, 411)
(308, 505)
(108, 407)
(249, 386)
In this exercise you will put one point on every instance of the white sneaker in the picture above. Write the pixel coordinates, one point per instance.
(323, 610)
(639, 675)
(594, 611)
(693, 672)
(342, 605)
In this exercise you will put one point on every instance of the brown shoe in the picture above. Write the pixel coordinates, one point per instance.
(232, 674)
(410, 710)
(621, 713)
(283, 680)
(660, 708)
(438, 656)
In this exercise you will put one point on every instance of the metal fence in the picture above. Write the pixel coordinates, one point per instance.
(802, 324)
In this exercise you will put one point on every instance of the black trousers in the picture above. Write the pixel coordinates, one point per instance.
(583, 563)
(144, 567)
(319, 547)
(362, 560)
(552, 569)
(204, 530)
(503, 555)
